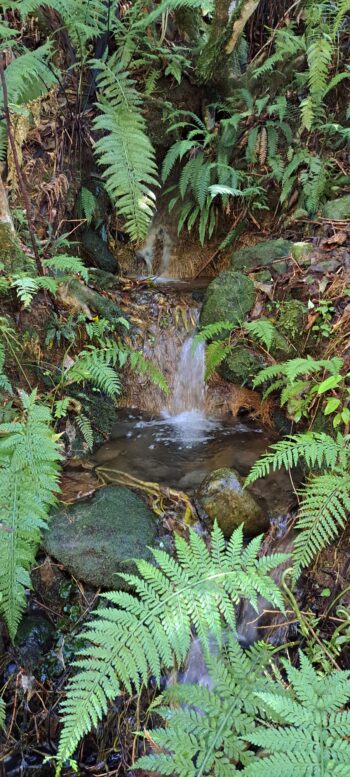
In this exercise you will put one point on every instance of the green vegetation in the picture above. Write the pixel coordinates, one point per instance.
(234, 119)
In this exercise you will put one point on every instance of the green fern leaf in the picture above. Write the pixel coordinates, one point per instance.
(214, 355)
(29, 470)
(316, 449)
(85, 428)
(67, 264)
(141, 633)
(263, 330)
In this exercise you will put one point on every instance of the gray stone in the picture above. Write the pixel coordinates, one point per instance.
(337, 210)
(302, 252)
(34, 638)
(262, 254)
(96, 538)
(229, 297)
(222, 498)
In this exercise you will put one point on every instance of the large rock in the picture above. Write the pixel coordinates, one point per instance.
(290, 330)
(98, 252)
(337, 210)
(241, 366)
(223, 499)
(96, 538)
(262, 254)
(229, 297)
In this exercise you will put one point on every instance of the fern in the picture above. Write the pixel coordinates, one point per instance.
(262, 330)
(316, 449)
(142, 633)
(29, 468)
(86, 204)
(67, 264)
(311, 732)
(215, 354)
(324, 509)
(207, 734)
(5, 384)
(210, 331)
(125, 151)
(96, 365)
(2, 714)
(85, 428)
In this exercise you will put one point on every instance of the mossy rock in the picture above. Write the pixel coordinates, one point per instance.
(337, 210)
(223, 499)
(241, 366)
(228, 298)
(302, 252)
(262, 254)
(98, 252)
(290, 330)
(101, 411)
(97, 538)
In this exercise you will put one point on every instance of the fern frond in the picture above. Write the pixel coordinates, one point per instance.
(205, 732)
(96, 365)
(141, 633)
(67, 264)
(214, 355)
(29, 460)
(310, 735)
(316, 449)
(323, 512)
(85, 428)
(86, 204)
(2, 714)
(28, 76)
(210, 331)
(139, 363)
(125, 150)
(262, 330)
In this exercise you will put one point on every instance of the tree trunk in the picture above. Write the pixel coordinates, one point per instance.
(226, 29)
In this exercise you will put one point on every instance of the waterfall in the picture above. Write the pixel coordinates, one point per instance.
(189, 383)
(186, 407)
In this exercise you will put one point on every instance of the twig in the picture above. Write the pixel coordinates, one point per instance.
(19, 172)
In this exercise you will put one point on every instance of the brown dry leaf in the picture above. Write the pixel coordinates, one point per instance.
(336, 240)
(76, 485)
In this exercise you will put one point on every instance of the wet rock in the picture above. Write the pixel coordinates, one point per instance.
(262, 254)
(228, 298)
(337, 210)
(98, 252)
(222, 498)
(96, 538)
(241, 366)
(34, 638)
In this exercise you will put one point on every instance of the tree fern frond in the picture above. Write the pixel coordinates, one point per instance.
(28, 76)
(29, 461)
(141, 633)
(323, 512)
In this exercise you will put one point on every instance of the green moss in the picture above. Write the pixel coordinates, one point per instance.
(11, 254)
(228, 298)
(241, 366)
(262, 254)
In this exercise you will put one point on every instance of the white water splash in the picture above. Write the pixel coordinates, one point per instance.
(186, 410)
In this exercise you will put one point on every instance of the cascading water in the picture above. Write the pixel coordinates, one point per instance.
(186, 410)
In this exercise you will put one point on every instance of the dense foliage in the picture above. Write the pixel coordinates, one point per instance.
(267, 132)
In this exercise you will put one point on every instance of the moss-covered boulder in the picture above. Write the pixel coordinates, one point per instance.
(80, 297)
(337, 210)
(302, 252)
(229, 297)
(12, 257)
(222, 498)
(290, 330)
(98, 252)
(242, 365)
(96, 538)
(262, 254)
